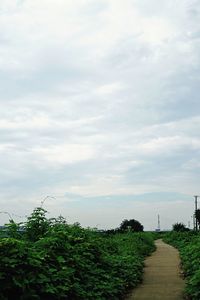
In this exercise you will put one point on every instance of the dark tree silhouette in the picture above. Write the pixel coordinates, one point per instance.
(132, 225)
(179, 227)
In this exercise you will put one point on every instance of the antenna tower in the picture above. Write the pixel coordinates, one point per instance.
(158, 222)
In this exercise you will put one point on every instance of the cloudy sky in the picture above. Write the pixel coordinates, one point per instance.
(100, 109)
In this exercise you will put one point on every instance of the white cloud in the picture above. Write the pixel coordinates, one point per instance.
(63, 154)
(168, 145)
(98, 97)
(109, 88)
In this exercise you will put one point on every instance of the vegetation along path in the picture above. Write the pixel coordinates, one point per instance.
(162, 280)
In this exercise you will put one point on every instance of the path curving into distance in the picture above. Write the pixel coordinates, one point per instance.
(161, 280)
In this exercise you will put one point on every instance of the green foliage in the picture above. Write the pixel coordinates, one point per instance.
(179, 227)
(13, 229)
(193, 286)
(188, 244)
(37, 224)
(61, 261)
(132, 224)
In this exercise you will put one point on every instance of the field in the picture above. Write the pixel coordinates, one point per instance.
(50, 259)
(188, 244)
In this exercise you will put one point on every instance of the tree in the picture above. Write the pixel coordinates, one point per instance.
(132, 225)
(179, 227)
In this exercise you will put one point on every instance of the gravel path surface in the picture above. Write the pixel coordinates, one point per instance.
(162, 280)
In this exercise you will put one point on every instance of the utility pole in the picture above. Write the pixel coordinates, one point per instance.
(189, 224)
(195, 210)
(193, 221)
(158, 222)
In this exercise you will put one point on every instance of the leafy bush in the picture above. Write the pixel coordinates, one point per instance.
(188, 244)
(37, 224)
(61, 261)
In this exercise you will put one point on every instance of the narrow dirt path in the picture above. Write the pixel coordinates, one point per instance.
(161, 279)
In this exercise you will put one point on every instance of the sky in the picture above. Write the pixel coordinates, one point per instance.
(100, 111)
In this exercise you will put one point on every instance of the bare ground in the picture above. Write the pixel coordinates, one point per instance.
(162, 280)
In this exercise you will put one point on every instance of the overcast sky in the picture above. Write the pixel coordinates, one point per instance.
(100, 109)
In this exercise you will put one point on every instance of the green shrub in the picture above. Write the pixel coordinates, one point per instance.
(188, 244)
(61, 261)
(193, 286)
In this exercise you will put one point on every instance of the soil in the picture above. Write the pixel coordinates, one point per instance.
(162, 276)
